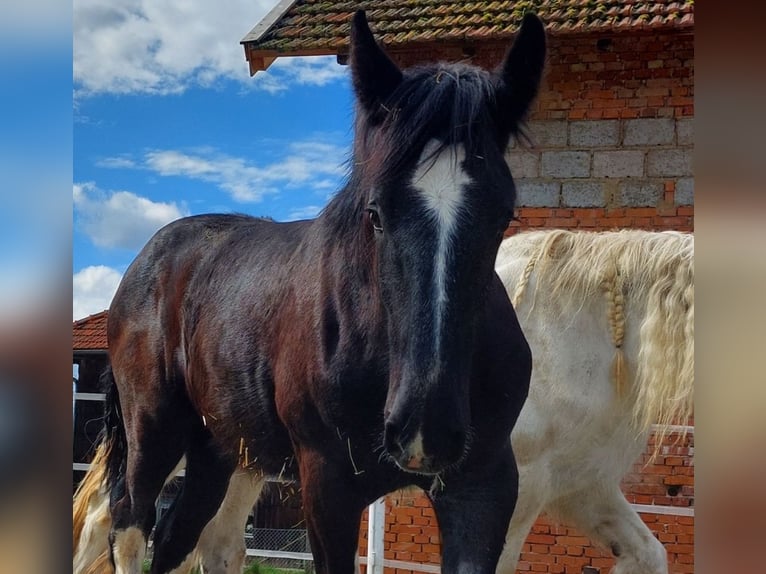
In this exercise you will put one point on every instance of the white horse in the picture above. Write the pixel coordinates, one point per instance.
(610, 319)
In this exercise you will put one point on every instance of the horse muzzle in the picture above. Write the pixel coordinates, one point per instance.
(425, 450)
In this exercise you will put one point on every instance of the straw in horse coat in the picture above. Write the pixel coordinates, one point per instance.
(366, 350)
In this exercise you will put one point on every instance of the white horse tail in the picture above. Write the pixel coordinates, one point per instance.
(665, 376)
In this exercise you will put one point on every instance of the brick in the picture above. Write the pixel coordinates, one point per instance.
(537, 194)
(596, 133)
(540, 539)
(546, 134)
(638, 194)
(523, 163)
(620, 163)
(646, 132)
(536, 212)
(565, 164)
(561, 222)
(582, 194)
(669, 163)
(640, 212)
(684, 192)
(572, 540)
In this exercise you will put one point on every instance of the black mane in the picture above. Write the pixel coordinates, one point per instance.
(448, 102)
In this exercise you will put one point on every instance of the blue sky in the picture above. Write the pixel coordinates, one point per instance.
(168, 122)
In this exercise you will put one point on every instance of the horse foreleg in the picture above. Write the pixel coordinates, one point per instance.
(333, 509)
(221, 546)
(473, 511)
(605, 516)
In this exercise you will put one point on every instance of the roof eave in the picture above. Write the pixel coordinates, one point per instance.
(268, 21)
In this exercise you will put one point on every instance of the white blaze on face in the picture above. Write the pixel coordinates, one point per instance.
(441, 182)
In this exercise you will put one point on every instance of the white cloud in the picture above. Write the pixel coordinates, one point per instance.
(165, 46)
(120, 218)
(305, 71)
(92, 290)
(304, 212)
(313, 165)
(118, 162)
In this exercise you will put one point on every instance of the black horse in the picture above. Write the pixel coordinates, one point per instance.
(369, 349)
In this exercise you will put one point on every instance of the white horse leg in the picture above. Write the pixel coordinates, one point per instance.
(129, 550)
(221, 546)
(528, 507)
(605, 516)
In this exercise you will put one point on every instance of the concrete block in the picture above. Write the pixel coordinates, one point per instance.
(649, 132)
(620, 163)
(685, 191)
(582, 194)
(669, 163)
(639, 194)
(565, 164)
(685, 131)
(537, 194)
(523, 163)
(545, 134)
(594, 133)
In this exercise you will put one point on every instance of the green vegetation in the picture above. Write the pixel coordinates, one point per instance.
(259, 568)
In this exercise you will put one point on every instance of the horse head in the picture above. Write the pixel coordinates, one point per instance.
(429, 160)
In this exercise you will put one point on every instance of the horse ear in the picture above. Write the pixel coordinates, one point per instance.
(374, 75)
(518, 77)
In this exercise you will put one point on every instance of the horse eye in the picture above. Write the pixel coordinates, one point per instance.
(374, 217)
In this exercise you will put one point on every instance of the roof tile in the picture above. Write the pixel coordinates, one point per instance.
(89, 334)
(319, 25)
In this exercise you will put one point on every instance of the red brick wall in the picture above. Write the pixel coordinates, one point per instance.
(669, 217)
(597, 76)
(643, 75)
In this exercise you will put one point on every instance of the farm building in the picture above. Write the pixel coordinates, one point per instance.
(611, 147)
(89, 357)
(612, 129)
